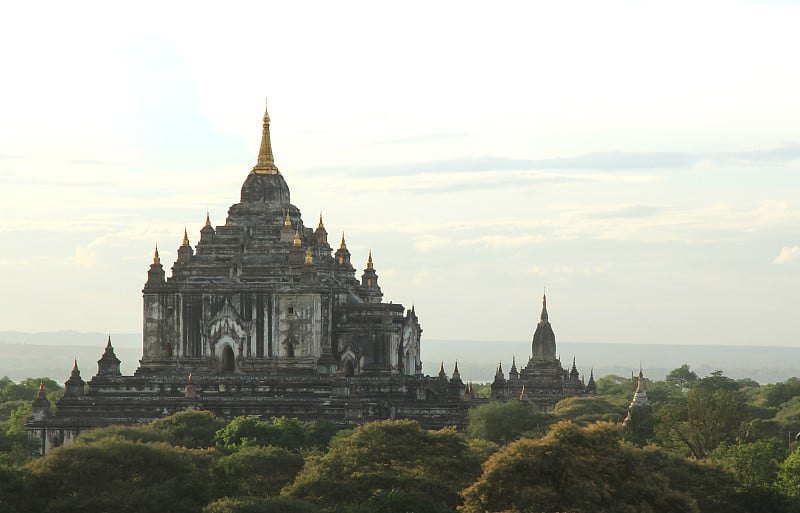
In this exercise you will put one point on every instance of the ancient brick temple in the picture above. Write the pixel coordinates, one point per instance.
(543, 381)
(262, 317)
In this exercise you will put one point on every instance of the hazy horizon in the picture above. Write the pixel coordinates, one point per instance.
(51, 354)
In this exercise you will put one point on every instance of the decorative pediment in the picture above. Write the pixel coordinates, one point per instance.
(227, 322)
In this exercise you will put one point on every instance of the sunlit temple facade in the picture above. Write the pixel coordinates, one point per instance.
(263, 317)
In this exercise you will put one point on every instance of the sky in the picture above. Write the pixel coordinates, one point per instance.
(640, 160)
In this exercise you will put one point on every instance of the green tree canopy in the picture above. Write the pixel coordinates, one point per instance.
(573, 469)
(587, 410)
(190, 428)
(385, 463)
(256, 471)
(122, 476)
(712, 412)
(502, 422)
(259, 505)
(279, 431)
(682, 377)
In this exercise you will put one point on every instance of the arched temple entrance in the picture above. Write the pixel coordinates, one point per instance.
(228, 360)
(348, 369)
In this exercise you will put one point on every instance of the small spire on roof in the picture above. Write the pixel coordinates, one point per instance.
(297, 241)
(185, 238)
(343, 245)
(320, 226)
(308, 260)
(369, 260)
(287, 222)
(208, 221)
(108, 344)
(156, 258)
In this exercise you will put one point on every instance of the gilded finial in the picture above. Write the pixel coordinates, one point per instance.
(288, 221)
(297, 241)
(320, 226)
(156, 258)
(369, 260)
(309, 260)
(343, 245)
(266, 161)
(208, 221)
(185, 238)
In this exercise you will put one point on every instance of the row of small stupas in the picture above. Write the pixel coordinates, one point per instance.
(268, 320)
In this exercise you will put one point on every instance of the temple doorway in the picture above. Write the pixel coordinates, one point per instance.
(228, 360)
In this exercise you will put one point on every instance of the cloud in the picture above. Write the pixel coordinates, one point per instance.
(787, 255)
(85, 256)
(428, 138)
(609, 161)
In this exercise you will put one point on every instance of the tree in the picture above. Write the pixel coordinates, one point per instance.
(386, 463)
(122, 476)
(572, 469)
(587, 410)
(256, 471)
(712, 412)
(279, 431)
(789, 475)
(503, 422)
(681, 377)
(259, 505)
(755, 465)
(190, 428)
(17, 493)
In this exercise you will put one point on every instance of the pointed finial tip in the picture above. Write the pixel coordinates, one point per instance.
(156, 258)
(185, 237)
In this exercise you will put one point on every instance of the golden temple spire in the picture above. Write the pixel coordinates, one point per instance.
(369, 260)
(320, 226)
(185, 238)
(156, 258)
(266, 161)
(309, 260)
(297, 241)
(342, 245)
(208, 221)
(288, 221)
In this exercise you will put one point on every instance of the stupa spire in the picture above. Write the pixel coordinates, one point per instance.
(320, 226)
(156, 258)
(544, 317)
(369, 261)
(343, 245)
(185, 238)
(266, 161)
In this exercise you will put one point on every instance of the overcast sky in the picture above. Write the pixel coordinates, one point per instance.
(640, 160)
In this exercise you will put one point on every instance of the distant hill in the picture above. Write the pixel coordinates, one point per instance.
(51, 354)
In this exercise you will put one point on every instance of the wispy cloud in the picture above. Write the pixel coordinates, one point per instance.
(428, 138)
(787, 255)
(610, 161)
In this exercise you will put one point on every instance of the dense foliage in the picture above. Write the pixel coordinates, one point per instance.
(710, 444)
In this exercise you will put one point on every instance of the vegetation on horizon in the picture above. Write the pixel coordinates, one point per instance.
(712, 444)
